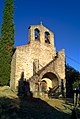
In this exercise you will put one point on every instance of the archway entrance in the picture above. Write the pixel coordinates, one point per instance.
(49, 82)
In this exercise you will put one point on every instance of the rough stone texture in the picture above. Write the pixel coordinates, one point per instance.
(38, 60)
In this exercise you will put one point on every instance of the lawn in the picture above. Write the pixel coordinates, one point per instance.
(11, 107)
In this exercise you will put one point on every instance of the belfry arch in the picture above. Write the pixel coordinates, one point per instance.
(47, 37)
(37, 34)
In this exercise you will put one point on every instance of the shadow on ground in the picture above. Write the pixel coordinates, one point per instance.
(33, 108)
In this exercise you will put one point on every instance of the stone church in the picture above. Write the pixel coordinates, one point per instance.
(38, 62)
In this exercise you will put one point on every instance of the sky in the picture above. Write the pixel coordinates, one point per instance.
(62, 17)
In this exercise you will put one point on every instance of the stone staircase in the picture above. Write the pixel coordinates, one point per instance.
(50, 64)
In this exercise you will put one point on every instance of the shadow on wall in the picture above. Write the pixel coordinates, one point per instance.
(62, 88)
(24, 88)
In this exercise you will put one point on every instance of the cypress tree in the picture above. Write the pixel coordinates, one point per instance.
(6, 42)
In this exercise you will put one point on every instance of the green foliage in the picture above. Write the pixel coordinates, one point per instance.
(76, 84)
(72, 74)
(6, 42)
(72, 79)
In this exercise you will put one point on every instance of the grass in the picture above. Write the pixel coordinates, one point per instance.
(11, 107)
(5, 91)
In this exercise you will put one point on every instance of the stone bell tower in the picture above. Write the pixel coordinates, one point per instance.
(41, 33)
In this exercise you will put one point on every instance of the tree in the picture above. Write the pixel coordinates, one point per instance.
(72, 80)
(6, 42)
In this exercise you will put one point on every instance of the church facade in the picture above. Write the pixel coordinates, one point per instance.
(38, 62)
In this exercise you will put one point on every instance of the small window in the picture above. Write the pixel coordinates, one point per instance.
(37, 34)
(47, 37)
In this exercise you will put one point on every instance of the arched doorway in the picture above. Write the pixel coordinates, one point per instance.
(51, 81)
(43, 85)
(47, 83)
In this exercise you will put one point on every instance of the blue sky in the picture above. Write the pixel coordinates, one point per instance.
(61, 16)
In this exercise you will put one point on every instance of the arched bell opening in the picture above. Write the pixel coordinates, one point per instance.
(37, 34)
(47, 37)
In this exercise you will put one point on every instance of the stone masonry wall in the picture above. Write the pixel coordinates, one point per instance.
(56, 68)
(26, 55)
(60, 64)
(13, 70)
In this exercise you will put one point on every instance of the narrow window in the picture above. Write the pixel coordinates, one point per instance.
(47, 37)
(37, 34)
